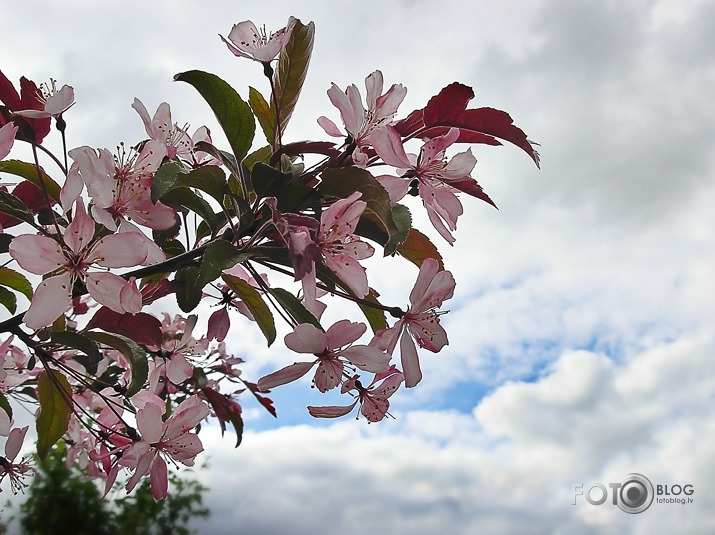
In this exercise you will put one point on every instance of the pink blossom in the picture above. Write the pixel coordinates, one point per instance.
(173, 365)
(168, 439)
(421, 321)
(8, 467)
(119, 186)
(176, 140)
(7, 139)
(340, 247)
(373, 399)
(247, 41)
(434, 176)
(359, 122)
(72, 254)
(329, 347)
(56, 101)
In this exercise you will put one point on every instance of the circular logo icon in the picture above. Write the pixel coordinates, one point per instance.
(636, 493)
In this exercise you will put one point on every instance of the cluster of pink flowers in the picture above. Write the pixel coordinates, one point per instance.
(127, 389)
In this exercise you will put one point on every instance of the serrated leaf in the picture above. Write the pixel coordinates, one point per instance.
(448, 109)
(29, 172)
(16, 281)
(132, 352)
(253, 300)
(294, 307)
(8, 300)
(369, 227)
(54, 395)
(292, 69)
(83, 344)
(219, 255)
(232, 113)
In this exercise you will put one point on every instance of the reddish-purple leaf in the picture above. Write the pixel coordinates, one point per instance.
(142, 328)
(227, 410)
(470, 186)
(448, 109)
(263, 400)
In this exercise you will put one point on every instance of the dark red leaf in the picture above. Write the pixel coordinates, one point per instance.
(8, 94)
(32, 130)
(142, 328)
(263, 400)
(447, 107)
(448, 110)
(470, 186)
(411, 124)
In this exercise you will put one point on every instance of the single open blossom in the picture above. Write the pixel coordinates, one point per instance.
(55, 102)
(176, 140)
(7, 139)
(8, 467)
(360, 122)
(328, 347)
(373, 399)
(433, 176)
(247, 41)
(69, 258)
(120, 186)
(340, 247)
(170, 439)
(421, 321)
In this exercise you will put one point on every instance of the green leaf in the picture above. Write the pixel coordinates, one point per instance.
(11, 205)
(370, 227)
(219, 255)
(188, 296)
(5, 405)
(233, 114)
(292, 70)
(133, 353)
(291, 194)
(262, 111)
(28, 171)
(8, 300)
(418, 247)
(54, 395)
(294, 307)
(183, 197)
(260, 155)
(342, 182)
(164, 179)
(253, 300)
(5, 240)
(210, 179)
(83, 344)
(16, 281)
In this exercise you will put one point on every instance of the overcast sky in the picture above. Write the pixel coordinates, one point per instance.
(581, 332)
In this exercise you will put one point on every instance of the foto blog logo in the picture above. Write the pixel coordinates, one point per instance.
(634, 493)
